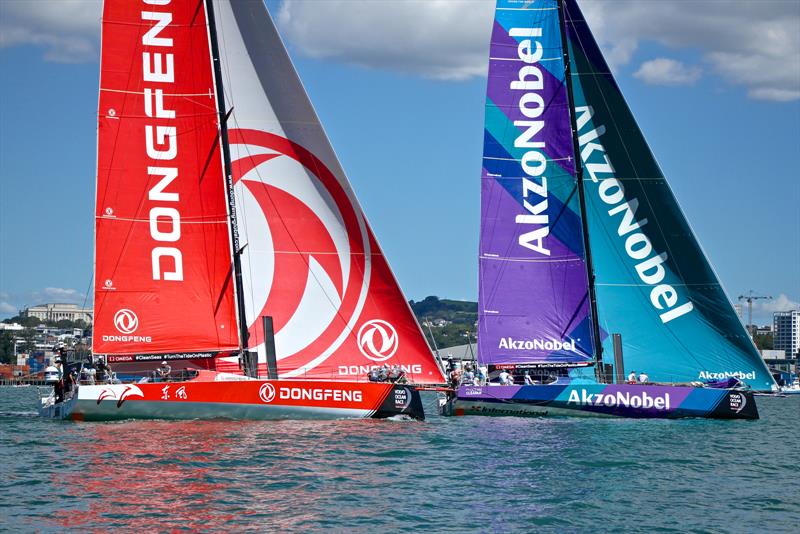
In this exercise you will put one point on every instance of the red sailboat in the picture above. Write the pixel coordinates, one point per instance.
(228, 241)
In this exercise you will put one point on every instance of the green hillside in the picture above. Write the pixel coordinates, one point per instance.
(452, 322)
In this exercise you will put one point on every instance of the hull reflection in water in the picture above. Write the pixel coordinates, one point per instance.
(220, 475)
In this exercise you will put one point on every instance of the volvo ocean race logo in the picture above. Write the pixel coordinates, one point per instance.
(737, 402)
(402, 398)
(266, 392)
(315, 282)
(377, 340)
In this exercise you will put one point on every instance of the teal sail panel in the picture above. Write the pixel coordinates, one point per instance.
(654, 283)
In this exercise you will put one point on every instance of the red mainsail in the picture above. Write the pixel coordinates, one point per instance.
(162, 248)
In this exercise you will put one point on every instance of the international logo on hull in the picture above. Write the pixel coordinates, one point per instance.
(266, 392)
(126, 321)
(377, 340)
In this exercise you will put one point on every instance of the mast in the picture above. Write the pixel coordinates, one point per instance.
(226, 155)
(581, 196)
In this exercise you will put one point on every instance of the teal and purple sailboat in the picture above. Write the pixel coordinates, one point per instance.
(583, 244)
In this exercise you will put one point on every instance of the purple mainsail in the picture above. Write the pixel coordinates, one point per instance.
(534, 290)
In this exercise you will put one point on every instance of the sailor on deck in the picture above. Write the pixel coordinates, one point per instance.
(164, 371)
(528, 380)
(643, 378)
(506, 379)
(632, 377)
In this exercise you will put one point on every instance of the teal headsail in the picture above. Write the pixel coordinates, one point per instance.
(653, 281)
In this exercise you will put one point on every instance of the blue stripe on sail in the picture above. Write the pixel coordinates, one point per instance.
(568, 229)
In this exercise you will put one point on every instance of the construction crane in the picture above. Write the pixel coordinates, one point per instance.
(749, 298)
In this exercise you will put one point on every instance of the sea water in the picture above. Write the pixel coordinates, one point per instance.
(465, 474)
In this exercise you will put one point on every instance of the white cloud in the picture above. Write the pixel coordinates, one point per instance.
(67, 30)
(11, 303)
(779, 303)
(443, 39)
(57, 294)
(753, 44)
(664, 71)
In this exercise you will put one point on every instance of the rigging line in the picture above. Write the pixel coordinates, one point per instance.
(130, 230)
(356, 208)
(608, 234)
(86, 295)
(596, 79)
(305, 256)
(124, 91)
(511, 242)
(579, 174)
(239, 207)
(114, 145)
(507, 127)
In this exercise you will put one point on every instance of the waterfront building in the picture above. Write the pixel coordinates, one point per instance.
(773, 354)
(465, 352)
(765, 330)
(786, 334)
(58, 312)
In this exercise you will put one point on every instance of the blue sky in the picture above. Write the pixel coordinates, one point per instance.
(399, 89)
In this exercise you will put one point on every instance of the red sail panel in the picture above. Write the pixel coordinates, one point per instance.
(309, 258)
(162, 247)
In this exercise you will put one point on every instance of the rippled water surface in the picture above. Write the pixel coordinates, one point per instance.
(447, 474)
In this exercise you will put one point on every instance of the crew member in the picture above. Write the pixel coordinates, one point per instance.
(528, 380)
(643, 378)
(58, 380)
(632, 377)
(164, 371)
(505, 378)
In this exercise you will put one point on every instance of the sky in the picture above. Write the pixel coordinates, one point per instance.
(399, 86)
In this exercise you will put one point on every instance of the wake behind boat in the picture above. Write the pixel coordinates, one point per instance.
(228, 240)
(588, 269)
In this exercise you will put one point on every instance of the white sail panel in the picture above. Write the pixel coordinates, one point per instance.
(309, 259)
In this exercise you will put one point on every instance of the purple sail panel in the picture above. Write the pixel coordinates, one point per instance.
(533, 295)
